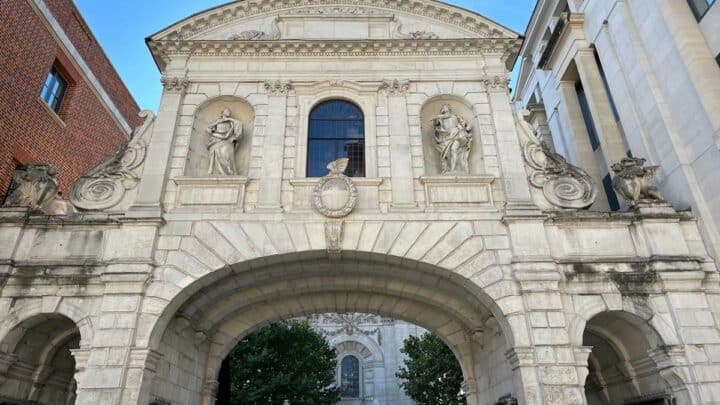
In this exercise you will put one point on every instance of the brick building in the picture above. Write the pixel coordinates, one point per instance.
(61, 100)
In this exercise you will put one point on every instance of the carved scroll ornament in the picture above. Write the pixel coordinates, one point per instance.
(564, 185)
(104, 186)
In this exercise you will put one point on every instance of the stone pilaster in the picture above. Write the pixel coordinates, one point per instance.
(148, 202)
(403, 194)
(269, 195)
(517, 190)
(580, 150)
(611, 141)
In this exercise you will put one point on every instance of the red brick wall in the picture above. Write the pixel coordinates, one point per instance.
(85, 132)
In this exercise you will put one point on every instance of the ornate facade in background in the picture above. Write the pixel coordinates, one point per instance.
(445, 206)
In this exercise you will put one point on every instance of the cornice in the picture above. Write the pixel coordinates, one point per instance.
(165, 50)
(213, 18)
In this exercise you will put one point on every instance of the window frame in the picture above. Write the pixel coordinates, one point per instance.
(698, 15)
(337, 139)
(54, 99)
(359, 376)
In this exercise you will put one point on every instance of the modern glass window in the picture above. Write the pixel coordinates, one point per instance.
(350, 377)
(337, 130)
(54, 89)
(700, 7)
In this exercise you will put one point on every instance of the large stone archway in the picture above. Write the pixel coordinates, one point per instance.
(203, 324)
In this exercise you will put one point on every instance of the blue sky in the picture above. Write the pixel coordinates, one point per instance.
(122, 25)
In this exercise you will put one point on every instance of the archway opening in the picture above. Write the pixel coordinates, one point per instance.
(38, 363)
(623, 362)
(341, 358)
(215, 313)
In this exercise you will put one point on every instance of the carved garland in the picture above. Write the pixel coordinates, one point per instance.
(352, 196)
(335, 182)
(395, 87)
(104, 186)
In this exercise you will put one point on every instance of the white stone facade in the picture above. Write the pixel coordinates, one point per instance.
(150, 287)
(376, 341)
(652, 86)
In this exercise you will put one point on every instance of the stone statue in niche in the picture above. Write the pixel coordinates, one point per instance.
(453, 139)
(633, 181)
(224, 135)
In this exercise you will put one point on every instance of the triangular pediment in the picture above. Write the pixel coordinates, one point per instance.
(333, 19)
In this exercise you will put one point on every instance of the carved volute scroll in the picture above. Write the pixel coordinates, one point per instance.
(105, 186)
(563, 185)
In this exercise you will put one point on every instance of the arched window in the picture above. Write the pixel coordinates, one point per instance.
(337, 130)
(350, 377)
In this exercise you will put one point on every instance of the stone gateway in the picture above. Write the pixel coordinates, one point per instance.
(138, 300)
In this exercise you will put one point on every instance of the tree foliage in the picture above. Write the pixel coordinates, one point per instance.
(283, 361)
(431, 374)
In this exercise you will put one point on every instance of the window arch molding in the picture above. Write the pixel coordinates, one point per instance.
(311, 96)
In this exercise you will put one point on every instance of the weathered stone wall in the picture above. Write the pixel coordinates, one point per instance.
(161, 291)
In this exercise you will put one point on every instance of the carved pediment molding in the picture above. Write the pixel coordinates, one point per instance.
(393, 47)
(218, 16)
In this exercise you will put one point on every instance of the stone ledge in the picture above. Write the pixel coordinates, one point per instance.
(459, 192)
(215, 191)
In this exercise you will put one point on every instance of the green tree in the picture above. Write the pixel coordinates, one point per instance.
(283, 361)
(431, 374)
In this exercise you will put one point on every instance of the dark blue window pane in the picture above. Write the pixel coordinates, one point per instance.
(610, 192)
(587, 116)
(336, 110)
(336, 130)
(350, 377)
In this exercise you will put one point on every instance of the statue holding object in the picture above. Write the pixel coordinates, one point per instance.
(453, 139)
(224, 133)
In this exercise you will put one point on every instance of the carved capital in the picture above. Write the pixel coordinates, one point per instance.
(521, 357)
(278, 87)
(496, 83)
(395, 87)
(174, 84)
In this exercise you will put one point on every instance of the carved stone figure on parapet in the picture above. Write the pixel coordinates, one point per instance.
(224, 134)
(633, 181)
(35, 186)
(453, 139)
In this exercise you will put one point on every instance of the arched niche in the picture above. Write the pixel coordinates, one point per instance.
(460, 107)
(42, 367)
(206, 114)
